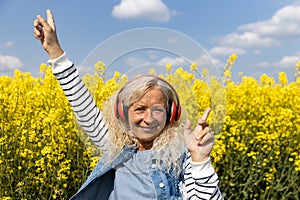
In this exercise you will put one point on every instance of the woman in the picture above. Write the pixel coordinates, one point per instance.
(147, 151)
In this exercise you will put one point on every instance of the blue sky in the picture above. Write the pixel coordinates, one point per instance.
(264, 34)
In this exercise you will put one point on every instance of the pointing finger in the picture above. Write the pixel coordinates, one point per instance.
(50, 19)
(205, 114)
(202, 122)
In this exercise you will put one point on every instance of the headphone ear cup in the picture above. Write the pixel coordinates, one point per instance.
(118, 110)
(173, 112)
(121, 111)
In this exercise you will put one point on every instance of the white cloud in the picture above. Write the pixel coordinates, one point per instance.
(284, 23)
(223, 50)
(7, 44)
(153, 55)
(153, 10)
(134, 61)
(264, 64)
(282, 26)
(9, 63)
(177, 62)
(247, 40)
(288, 61)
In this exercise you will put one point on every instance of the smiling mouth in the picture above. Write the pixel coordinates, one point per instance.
(149, 128)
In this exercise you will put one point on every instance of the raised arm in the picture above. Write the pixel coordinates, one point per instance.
(87, 113)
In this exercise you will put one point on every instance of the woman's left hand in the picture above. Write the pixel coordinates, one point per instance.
(199, 141)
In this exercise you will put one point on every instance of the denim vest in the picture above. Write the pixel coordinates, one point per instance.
(100, 183)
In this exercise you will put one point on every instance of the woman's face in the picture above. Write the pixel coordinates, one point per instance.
(147, 116)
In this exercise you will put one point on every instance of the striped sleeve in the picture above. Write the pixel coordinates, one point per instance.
(88, 115)
(201, 181)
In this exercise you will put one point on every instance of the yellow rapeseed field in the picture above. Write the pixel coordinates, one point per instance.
(256, 122)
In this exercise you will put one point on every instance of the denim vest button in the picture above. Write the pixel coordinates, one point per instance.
(153, 166)
(161, 185)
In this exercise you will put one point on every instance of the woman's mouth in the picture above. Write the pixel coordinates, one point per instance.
(149, 129)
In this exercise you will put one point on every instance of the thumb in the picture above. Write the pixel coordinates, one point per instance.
(50, 19)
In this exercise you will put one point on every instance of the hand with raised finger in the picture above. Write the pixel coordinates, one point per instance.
(199, 141)
(45, 31)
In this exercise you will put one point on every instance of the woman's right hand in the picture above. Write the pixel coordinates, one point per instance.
(45, 31)
(199, 141)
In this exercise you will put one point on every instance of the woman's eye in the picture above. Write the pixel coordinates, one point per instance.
(158, 109)
(139, 110)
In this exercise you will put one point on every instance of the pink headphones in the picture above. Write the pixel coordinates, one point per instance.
(173, 112)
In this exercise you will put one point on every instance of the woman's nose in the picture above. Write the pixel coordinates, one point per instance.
(148, 117)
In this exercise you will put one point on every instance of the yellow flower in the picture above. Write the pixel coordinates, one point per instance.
(40, 142)
(43, 68)
(282, 78)
(298, 65)
(227, 73)
(117, 75)
(233, 57)
(152, 71)
(169, 67)
(205, 73)
(193, 67)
